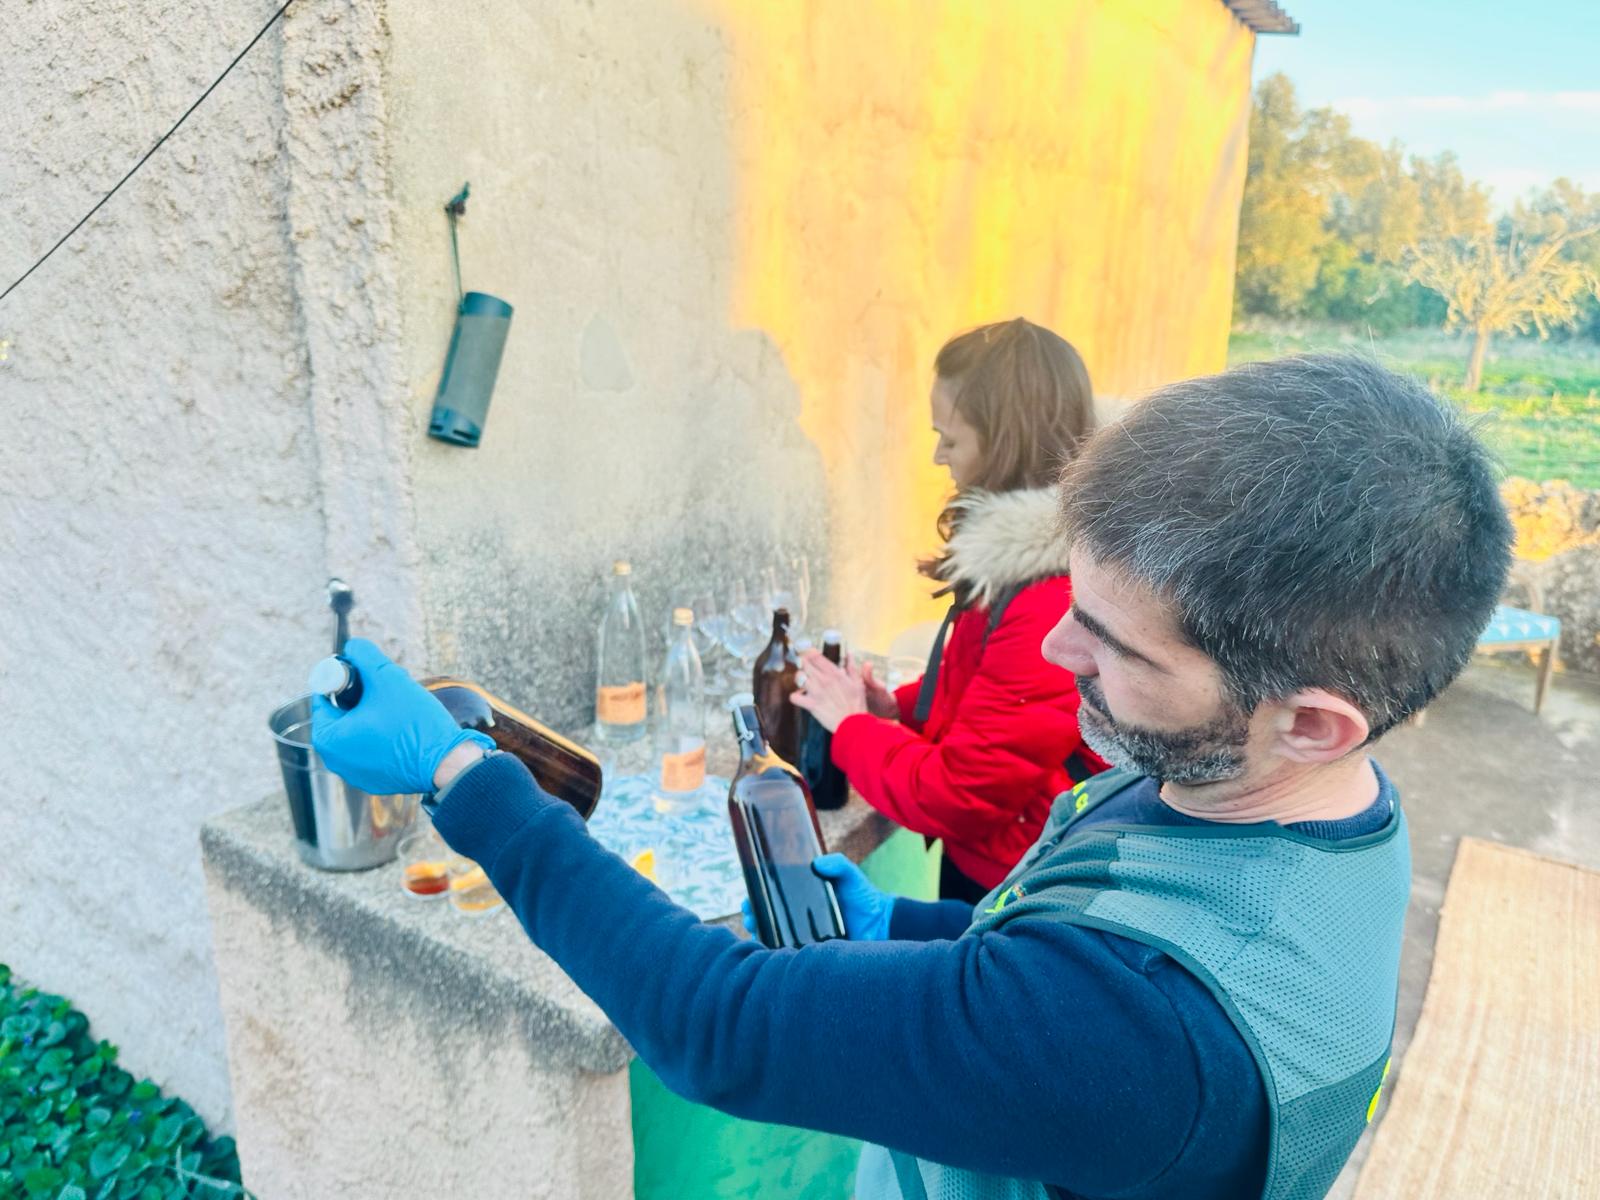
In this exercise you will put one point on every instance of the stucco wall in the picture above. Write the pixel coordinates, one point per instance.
(734, 235)
(160, 531)
(630, 419)
(907, 169)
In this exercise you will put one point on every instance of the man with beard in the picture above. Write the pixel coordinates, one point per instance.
(1187, 987)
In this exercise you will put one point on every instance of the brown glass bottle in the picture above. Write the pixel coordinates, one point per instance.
(774, 685)
(564, 769)
(829, 787)
(775, 829)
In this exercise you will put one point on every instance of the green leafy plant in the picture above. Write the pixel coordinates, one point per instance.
(76, 1126)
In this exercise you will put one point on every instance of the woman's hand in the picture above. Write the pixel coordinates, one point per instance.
(880, 700)
(831, 693)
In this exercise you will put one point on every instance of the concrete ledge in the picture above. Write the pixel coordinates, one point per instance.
(449, 968)
(384, 1046)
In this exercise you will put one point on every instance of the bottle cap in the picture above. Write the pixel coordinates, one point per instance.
(622, 567)
(329, 677)
(832, 637)
(683, 616)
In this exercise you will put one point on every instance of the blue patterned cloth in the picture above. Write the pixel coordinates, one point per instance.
(697, 863)
(1518, 625)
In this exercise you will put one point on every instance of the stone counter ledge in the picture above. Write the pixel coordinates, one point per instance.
(424, 958)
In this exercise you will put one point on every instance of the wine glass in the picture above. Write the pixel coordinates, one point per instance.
(709, 626)
(778, 593)
(800, 567)
(746, 629)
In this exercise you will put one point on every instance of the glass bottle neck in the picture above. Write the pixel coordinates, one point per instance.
(747, 728)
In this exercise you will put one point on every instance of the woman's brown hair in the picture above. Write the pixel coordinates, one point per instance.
(1026, 392)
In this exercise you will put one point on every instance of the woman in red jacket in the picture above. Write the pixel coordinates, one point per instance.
(975, 751)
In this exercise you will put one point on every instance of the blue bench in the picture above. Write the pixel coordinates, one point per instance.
(1513, 629)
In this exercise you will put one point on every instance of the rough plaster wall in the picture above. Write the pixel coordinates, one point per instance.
(351, 1085)
(630, 419)
(906, 169)
(346, 281)
(160, 538)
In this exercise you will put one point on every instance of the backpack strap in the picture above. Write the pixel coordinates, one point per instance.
(930, 676)
(997, 611)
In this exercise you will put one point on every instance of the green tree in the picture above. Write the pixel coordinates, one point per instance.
(1327, 217)
(1281, 229)
(1518, 276)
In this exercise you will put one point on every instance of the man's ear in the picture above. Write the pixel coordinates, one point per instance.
(1317, 726)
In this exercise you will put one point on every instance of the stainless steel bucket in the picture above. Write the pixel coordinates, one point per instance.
(336, 827)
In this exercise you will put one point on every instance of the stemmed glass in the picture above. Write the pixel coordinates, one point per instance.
(790, 587)
(745, 631)
(800, 567)
(778, 593)
(709, 627)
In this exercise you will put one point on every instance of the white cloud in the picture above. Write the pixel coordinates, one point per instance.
(1502, 101)
(1514, 183)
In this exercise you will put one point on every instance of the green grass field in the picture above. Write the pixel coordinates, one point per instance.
(1540, 400)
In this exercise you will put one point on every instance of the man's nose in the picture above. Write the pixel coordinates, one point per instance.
(1064, 647)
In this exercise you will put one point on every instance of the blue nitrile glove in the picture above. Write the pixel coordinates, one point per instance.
(392, 741)
(866, 909)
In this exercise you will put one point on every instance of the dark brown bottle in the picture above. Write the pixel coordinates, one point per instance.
(774, 685)
(829, 787)
(564, 769)
(775, 829)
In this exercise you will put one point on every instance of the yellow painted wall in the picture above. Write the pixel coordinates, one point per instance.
(904, 169)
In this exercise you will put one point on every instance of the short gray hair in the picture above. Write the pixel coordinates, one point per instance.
(1316, 522)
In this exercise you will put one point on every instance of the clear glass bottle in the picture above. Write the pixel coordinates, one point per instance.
(680, 734)
(620, 704)
(776, 832)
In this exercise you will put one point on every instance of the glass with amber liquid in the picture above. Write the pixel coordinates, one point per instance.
(424, 865)
(471, 892)
(775, 829)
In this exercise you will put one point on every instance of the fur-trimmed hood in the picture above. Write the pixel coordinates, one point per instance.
(1003, 540)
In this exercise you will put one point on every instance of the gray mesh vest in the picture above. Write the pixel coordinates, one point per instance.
(1298, 938)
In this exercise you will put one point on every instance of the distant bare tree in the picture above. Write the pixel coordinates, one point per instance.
(1515, 276)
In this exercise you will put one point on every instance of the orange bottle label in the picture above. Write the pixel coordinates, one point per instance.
(684, 772)
(620, 705)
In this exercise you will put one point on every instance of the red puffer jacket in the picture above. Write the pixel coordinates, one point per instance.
(982, 771)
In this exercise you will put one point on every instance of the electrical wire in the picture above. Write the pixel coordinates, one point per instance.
(236, 59)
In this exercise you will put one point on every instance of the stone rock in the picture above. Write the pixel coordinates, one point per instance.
(1558, 562)
(1572, 593)
(1551, 518)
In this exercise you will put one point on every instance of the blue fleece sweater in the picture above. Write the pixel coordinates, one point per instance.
(1067, 1055)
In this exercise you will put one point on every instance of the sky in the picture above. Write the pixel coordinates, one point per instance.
(1512, 88)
